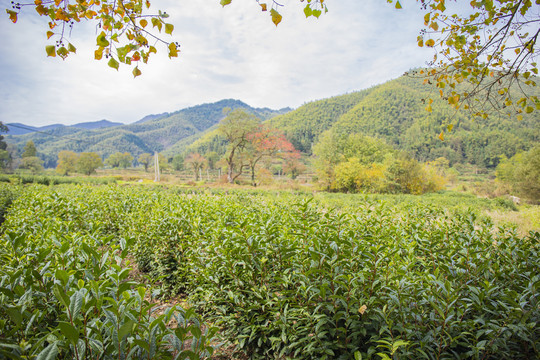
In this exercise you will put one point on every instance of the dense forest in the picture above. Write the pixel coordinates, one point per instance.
(395, 112)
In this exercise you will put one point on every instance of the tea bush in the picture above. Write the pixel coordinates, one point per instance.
(65, 289)
(283, 275)
(286, 277)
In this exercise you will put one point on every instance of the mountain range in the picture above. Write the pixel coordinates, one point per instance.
(393, 112)
(166, 132)
(22, 129)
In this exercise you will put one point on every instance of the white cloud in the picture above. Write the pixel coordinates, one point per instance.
(231, 52)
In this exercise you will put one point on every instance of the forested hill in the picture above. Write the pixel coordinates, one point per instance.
(395, 112)
(152, 133)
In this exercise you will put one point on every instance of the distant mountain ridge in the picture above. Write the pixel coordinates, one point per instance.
(165, 132)
(22, 129)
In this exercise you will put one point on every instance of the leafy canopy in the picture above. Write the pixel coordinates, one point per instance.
(124, 35)
(489, 50)
(490, 47)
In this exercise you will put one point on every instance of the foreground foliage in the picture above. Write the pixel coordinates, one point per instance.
(65, 289)
(281, 275)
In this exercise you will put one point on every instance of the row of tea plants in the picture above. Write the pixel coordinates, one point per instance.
(66, 290)
(284, 276)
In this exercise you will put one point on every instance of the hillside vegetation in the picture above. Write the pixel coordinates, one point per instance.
(395, 112)
(155, 133)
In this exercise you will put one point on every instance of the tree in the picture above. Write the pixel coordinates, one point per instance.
(178, 162)
(29, 150)
(528, 174)
(146, 160)
(32, 163)
(480, 57)
(292, 164)
(265, 142)
(119, 160)
(212, 157)
(522, 172)
(235, 129)
(67, 162)
(88, 163)
(197, 162)
(124, 35)
(5, 156)
(489, 48)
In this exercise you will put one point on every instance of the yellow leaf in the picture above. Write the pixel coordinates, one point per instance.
(169, 28)
(520, 117)
(362, 309)
(51, 50)
(441, 136)
(49, 34)
(276, 17)
(426, 18)
(428, 108)
(72, 48)
(398, 5)
(421, 43)
(12, 16)
(430, 43)
(98, 54)
(450, 127)
(152, 50)
(263, 6)
(173, 51)
(136, 72)
(143, 23)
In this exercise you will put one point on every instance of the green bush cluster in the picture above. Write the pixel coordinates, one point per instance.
(289, 278)
(55, 180)
(66, 290)
(282, 275)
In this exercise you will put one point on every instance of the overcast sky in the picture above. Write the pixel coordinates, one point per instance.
(232, 52)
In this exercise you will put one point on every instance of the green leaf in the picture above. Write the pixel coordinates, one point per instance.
(125, 329)
(101, 40)
(61, 295)
(49, 353)
(169, 29)
(62, 275)
(307, 11)
(357, 355)
(69, 331)
(72, 48)
(317, 13)
(75, 304)
(225, 2)
(15, 315)
(113, 63)
(51, 50)
(398, 5)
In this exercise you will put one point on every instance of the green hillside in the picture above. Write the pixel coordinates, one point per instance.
(395, 111)
(303, 125)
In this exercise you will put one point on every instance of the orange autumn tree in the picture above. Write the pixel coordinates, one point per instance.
(265, 142)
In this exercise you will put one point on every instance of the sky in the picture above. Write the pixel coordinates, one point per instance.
(226, 52)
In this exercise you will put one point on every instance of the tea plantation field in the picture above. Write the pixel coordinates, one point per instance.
(279, 275)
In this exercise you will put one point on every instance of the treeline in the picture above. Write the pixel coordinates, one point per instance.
(521, 173)
(396, 112)
(359, 163)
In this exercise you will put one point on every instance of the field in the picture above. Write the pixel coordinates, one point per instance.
(103, 271)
